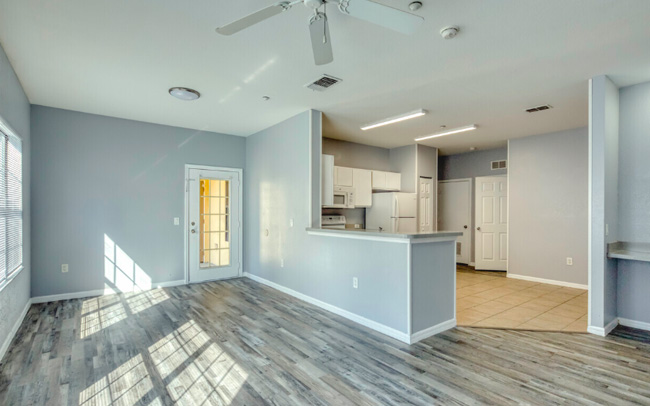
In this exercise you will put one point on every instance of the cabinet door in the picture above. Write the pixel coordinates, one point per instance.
(393, 181)
(362, 182)
(342, 176)
(379, 180)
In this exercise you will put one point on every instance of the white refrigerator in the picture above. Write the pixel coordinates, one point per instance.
(393, 212)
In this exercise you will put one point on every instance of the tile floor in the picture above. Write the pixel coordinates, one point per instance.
(489, 299)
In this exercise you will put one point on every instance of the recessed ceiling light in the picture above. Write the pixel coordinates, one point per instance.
(449, 132)
(449, 32)
(183, 93)
(396, 119)
(266, 98)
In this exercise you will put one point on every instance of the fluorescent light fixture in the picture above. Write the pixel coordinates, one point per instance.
(448, 132)
(396, 119)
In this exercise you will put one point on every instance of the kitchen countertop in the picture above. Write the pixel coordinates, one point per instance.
(629, 250)
(376, 233)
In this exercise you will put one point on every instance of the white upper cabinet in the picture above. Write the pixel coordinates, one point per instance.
(393, 181)
(386, 181)
(343, 176)
(362, 183)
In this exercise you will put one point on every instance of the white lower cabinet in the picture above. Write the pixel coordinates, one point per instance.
(362, 183)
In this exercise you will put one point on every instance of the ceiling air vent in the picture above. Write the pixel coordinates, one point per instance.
(323, 83)
(539, 108)
(499, 165)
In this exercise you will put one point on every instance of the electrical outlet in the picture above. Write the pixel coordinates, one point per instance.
(64, 268)
(355, 282)
(281, 262)
(177, 221)
(606, 229)
(569, 261)
(357, 226)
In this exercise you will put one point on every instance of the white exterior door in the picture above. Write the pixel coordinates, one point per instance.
(455, 214)
(213, 224)
(426, 204)
(491, 236)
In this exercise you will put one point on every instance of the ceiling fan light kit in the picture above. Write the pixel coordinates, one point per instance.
(366, 10)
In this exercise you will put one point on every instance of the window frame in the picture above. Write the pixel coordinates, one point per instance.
(7, 131)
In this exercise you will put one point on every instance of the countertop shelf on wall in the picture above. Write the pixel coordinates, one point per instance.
(633, 251)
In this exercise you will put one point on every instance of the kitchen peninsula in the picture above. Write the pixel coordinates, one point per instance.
(406, 280)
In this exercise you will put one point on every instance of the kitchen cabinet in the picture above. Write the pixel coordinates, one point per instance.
(362, 183)
(386, 181)
(327, 168)
(343, 176)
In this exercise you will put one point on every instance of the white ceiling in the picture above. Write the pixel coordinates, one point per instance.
(119, 58)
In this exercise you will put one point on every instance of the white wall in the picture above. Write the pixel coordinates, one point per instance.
(548, 196)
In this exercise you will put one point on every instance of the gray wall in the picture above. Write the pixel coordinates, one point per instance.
(276, 190)
(14, 110)
(548, 197)
(604, 134)
(99, 175)
(355, 155)
(634, 199)
(471, 165)
(403, 160)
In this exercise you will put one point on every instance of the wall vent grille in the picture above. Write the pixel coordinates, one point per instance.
(539, 108)
(496, 165)
(459, 248)
(323, 83)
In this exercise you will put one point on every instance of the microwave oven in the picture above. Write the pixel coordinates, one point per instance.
(343, 198)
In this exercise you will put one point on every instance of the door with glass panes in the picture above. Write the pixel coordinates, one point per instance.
(214, 224)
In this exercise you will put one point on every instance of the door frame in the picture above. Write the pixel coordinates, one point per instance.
(469, 208)
(505, 175)
(186, 241)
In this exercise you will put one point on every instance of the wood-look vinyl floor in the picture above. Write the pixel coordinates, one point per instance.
(239, 342)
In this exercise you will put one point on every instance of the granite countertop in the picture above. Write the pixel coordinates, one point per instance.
(377, 233)
(633, 251)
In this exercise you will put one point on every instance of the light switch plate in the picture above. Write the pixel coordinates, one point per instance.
(64, 268)
(569, 261)
(177, 221)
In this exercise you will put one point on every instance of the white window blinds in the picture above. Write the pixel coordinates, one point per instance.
(11, 206)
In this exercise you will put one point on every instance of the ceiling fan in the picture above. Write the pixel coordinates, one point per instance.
(367, 10)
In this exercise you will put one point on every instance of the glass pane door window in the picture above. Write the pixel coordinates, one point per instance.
(214, 222)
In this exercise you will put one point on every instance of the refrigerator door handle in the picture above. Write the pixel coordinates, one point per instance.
(396, 212)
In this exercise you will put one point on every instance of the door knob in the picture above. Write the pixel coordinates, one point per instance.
(478, 228)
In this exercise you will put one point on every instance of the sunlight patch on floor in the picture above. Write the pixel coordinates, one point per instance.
(125, 385)
(195, 369)
(142, 301)
(97, 316)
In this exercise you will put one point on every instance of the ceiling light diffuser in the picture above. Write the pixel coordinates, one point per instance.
(448, 132)
(396, 119)
(183, 93)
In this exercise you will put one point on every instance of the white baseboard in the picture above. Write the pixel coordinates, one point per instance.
(472, 264)
(603, 331)
(99, 292)
(548, 281)
(389, 331)
(433, 330)
(14, 329)
(642, 325)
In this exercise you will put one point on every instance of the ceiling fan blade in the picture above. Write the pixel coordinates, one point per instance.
(380, 14)
(254, 18)
(321, 41)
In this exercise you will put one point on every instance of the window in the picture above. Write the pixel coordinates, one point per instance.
(11, 205)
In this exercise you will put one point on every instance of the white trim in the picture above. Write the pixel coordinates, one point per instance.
(14, 329)
(472, 264)
(100, 292)
(436, 181)
(389, 331)
(409, 290)
(433, 330)
(470, 241)
(433, 239)
(634, 324)
(186, 245)
(358, 236)
(603, 331)
(310, 202)
(548, 281)
(508, 207)
(590, 197)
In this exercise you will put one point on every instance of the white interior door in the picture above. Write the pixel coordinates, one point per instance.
(426, 204)
(491, 238)
(455, 214)
(213, 224)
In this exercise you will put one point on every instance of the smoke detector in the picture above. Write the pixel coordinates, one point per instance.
(449, 32)
(415, 6)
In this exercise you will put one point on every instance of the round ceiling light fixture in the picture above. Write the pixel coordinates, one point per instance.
(415, 6)
(184, 93)
(449, 32)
